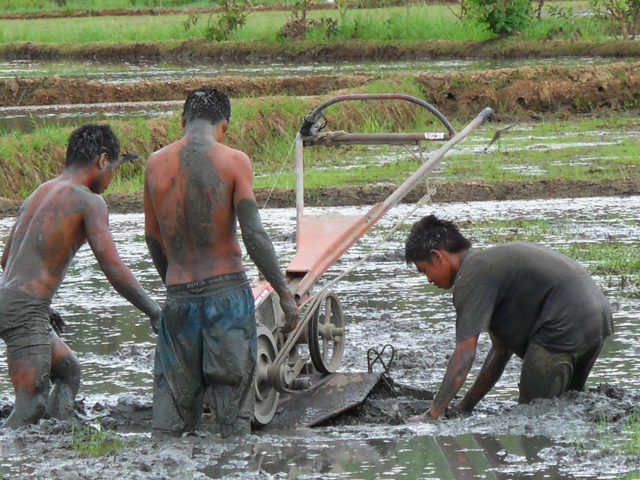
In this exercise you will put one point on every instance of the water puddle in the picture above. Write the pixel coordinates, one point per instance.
(385, 303)
(163, 71)
(27, 119)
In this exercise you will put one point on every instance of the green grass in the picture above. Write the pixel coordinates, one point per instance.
(606, 258)
(265, 128)
(28, 6)
(419, 22)
(94, 440)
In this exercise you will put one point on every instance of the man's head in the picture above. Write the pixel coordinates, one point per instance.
(206, 103)
(96, 147)
(435, 247)
(89, 142)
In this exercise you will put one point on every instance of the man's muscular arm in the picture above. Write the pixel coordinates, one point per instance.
(96, 222)
(258, 243)
(490, 373)
(153, 237)
(458, 368)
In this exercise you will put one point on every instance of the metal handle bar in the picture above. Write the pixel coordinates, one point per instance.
(309, 125)
(377, 211)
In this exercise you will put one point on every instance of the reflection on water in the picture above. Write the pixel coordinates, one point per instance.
(27, 119)
(442, 457)
(114, 344)
(135, 72)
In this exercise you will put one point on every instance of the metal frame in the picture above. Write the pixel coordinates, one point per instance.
(322, 240)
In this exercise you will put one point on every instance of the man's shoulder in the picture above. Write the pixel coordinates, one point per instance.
(509, 249)
(234, 153)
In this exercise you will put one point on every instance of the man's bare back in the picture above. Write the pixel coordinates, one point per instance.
(196, 192)
(47, 235)
(191, 185)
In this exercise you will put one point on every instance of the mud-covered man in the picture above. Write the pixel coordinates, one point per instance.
(53, 223)
(533, 301)
(195, 189)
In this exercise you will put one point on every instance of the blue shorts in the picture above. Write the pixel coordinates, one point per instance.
(206, 340)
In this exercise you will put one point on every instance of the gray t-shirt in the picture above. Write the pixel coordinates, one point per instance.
(521, 291)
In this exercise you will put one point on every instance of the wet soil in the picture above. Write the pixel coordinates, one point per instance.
(372, 194)
(523, 92)
(55, 90)
(317, 51)
(446, 192)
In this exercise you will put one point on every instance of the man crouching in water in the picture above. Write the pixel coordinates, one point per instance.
(52, 224)
(195, 189)
(533, 301)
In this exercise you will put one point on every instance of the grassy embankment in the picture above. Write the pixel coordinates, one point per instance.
(26, 6)
(417, 23)
(581, 148)
(29, 6)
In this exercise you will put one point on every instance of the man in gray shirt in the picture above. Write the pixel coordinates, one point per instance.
(533, 301)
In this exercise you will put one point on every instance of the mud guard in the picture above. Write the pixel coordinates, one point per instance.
(339, 393)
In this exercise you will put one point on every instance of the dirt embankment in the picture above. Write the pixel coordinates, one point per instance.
(517, 92)
(317, 51)
(372, 194)
(56, 90)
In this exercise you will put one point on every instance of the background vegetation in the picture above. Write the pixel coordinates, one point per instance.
(469, 20)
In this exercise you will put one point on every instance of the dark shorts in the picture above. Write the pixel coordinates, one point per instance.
(206, 340)
(547, 374)
(24, 323)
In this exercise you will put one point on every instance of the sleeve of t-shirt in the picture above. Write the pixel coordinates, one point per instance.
(474, 298)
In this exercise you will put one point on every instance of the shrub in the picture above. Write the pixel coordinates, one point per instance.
(502, 17)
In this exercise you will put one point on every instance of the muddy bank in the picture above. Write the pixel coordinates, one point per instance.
(57, 90)
(317, 51)
(446, 192)
(372, 194)
(516, 92)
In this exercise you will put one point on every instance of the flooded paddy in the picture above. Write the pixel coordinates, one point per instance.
(578, 436)
(27, 119)
(163, 71)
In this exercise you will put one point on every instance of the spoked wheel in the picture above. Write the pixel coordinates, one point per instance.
(327, 335)
(266, 396)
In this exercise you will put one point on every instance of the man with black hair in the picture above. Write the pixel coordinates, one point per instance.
(53, 223)
(195, 189)
(533, 301)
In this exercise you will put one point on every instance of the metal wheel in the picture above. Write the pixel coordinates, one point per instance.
(327, 335)
(266, 396)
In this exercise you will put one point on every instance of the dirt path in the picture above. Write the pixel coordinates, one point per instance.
(372, 194)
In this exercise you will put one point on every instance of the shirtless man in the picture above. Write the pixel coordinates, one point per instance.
(53, 223)
(533, 301)
(195, 189)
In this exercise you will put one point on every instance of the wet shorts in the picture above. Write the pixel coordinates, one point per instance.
(24, 323)
(207, 338)
(547, 374)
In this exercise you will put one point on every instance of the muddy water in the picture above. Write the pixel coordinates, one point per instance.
(136, 72)
(386, 303)
(27, 119)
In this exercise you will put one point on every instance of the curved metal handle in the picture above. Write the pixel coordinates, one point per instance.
(309, 125)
